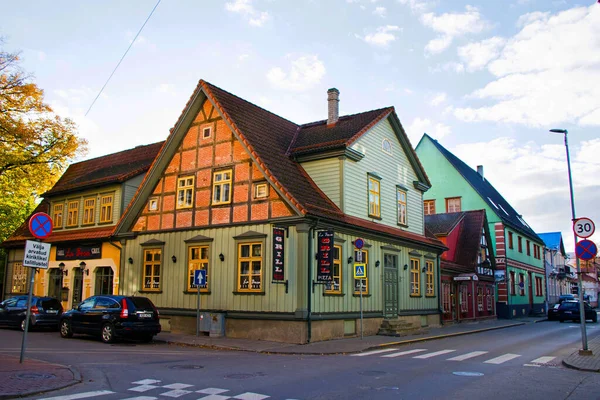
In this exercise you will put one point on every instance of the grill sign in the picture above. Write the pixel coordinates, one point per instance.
(78, 253)
(278, 254)
(325, 256)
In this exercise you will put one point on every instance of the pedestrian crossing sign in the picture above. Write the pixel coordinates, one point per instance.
(360, 271)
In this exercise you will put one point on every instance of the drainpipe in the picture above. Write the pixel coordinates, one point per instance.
(121, 263)
(311, 233)
(440, 294)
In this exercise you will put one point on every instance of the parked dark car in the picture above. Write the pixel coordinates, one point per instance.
(111, 316)
(553, 312)
(565, 297)
(569, 310)
(45, 312)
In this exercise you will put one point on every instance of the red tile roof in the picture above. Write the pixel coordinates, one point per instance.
(112, 168)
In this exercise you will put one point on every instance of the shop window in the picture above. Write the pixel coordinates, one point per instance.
(490, 298)
(446, 297)
(19, 278)
(152, 268)
(464, 299)
(222, 187)
(521, 285)
(479, 299)
(104, 281)
(362, 257)
(185, 192)
(415, 277)
(197, 259)
(335, 287)
(55, 282)
(106, 208)
(250, 267)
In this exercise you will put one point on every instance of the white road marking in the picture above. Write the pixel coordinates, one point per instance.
(250, 396)
(532, 365)
(141, 398)
(143, 388)
(543, 360)
(177, 386)
(176, 393)
(403, 353)
(435, 353)
(212, 391)
(501, 359)
(145, 382)
(76, 396)
(467, 356)
(370, 353)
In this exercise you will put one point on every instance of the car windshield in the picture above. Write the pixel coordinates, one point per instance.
(51, 304)
(142, 303)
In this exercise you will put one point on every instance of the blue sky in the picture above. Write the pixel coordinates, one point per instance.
(486, 78)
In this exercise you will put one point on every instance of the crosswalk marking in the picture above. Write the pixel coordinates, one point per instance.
(141, 398)
(76, 396)
(543, 360)
(435, 353)
(501, 359)
(467, 356)
(403, 353)
(368, 353)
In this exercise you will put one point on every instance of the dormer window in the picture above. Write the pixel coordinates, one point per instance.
(386, 146)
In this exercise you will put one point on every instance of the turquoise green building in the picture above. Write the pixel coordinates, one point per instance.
(520, 275)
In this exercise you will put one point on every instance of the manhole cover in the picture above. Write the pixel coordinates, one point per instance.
(372, 373)
(34, 376)
(239, 376)
(186, 367)
(461, 373)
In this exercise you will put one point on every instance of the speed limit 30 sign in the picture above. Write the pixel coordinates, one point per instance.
(584, 227)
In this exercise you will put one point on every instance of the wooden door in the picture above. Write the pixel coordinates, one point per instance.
(390, 286)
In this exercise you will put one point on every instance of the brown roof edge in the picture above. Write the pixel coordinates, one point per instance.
(384, 113)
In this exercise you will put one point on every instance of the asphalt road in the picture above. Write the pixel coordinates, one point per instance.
(517, 363)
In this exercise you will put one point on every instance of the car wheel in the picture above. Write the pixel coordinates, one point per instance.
(108, 333)
(23, 323)
(65, 329)
(146, 338)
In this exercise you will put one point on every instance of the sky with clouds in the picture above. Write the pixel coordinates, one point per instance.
(488, 79)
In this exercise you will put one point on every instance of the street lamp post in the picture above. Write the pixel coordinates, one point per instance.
(584, 344)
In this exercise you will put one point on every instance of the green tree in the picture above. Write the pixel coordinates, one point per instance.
(36, 145)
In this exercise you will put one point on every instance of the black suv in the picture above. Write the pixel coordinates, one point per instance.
(45, 312)
(570, 310)
(111, 316)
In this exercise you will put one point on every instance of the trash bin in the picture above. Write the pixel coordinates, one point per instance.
(217, 325)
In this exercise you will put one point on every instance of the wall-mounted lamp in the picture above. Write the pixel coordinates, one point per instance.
(130, 260)
(350, 259)
(174, 259)
(377, 264)
(221, 257)
(82, 265)
(405, 267)
(64, 271)
(424, 269)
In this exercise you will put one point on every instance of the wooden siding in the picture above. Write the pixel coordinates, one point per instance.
(129, 189)
(81, 196)
(200, 157)
(222, 275)
(394, 169)
(327, 175)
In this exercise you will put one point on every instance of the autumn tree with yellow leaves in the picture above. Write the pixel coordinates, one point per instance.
(36, 145)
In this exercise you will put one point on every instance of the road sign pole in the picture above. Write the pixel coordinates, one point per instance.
(361, 311)
(28, 315)
(198, 312)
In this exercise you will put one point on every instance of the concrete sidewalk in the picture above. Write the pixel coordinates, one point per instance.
(33, 377)
(586, 363)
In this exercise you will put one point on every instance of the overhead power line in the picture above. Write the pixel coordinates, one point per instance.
(126, 51)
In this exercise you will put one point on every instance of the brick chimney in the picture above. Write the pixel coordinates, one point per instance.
(480, 170)
(333, 106)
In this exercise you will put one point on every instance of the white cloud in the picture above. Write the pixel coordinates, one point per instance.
(419, 126)
(243, 57)
(448, 67)
(380, 12)
(477, 55)
(452, 25)
(245, 8)
(417, 6)
(165, 88)
(304, 72)
(438, 99)
(41, 56)
(534, 179)
(141, 41)
(383, 36)
(544, 73)
(408, 91)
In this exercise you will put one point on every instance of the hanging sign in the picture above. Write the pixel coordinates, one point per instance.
(325, 256)
(79, 252)
(278, 254)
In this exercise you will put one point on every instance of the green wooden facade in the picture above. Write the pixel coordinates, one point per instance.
(451, 178)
